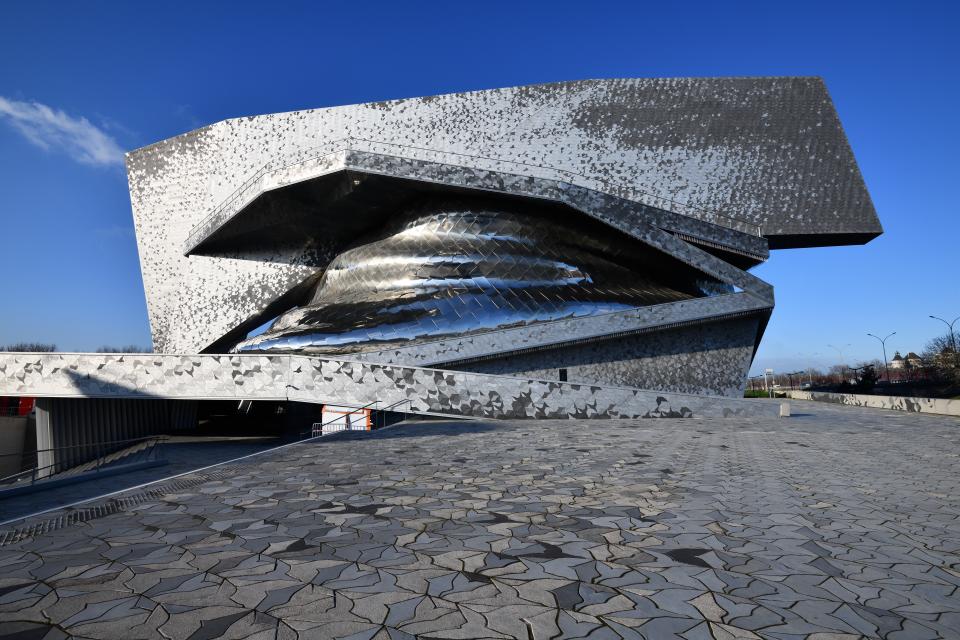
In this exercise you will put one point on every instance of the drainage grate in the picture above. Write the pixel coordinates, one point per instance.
(108, 507)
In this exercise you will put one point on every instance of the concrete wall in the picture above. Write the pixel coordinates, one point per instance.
(896, 403)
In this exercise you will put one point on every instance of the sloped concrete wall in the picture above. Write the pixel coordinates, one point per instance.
(896, 403)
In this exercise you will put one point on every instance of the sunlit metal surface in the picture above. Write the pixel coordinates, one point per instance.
(454, 267)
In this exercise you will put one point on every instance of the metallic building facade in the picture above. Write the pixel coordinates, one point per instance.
(445, 268)
(598, 231)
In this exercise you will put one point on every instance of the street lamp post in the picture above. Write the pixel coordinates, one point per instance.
(799, 375)
(953, 338)
(843, 360)
(807, 371)
(883, 342)
(855, 370)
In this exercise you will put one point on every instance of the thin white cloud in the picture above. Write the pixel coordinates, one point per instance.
(50, 128)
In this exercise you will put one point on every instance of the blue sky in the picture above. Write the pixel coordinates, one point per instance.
(81, 82)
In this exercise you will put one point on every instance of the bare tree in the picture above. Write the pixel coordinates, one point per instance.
(840, 372)
(130, 348)
(939, 349)
(939, 356)
(29, 347)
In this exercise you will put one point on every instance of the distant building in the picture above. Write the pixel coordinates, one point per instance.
(909, 361)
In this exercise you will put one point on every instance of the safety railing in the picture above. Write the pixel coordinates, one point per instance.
(82, 458)
(316, 430)
(572, 177)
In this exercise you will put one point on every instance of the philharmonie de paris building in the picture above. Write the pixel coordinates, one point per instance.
(577, 249)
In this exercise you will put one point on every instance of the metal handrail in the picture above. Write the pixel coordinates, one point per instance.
(236, 193)
(370, 405)
(85, 446)
(36, 472)
(313, 427)
(328, 149)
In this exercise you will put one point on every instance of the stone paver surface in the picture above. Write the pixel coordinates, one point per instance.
(837, 523)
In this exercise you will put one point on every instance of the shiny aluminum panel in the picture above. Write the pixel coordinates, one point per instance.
(449, 267)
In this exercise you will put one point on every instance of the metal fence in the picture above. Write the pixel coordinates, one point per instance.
(317, 429)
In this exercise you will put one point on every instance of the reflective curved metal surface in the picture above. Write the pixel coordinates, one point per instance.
(452, 267)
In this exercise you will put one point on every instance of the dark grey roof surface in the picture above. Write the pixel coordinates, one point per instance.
(825, 523)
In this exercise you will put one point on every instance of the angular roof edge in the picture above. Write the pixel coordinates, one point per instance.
(766, 149)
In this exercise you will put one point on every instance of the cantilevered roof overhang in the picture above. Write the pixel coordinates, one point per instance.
(346, 189)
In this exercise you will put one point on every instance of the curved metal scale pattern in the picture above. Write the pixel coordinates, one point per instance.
(453, 267)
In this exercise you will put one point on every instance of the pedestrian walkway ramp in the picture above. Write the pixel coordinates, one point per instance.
(416, 390)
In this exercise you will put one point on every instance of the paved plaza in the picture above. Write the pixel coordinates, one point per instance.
(837, 523)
